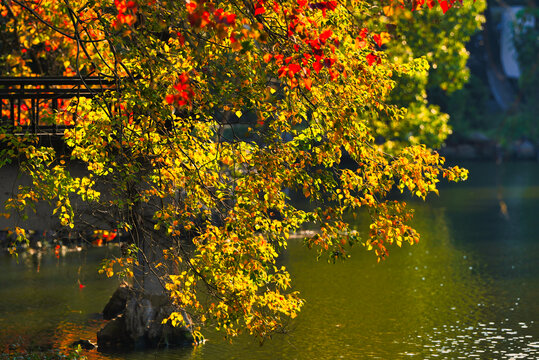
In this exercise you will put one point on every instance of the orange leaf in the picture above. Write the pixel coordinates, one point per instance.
(268, 57)
(307, 83)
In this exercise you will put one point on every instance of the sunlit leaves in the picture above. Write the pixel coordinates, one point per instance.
(219, 115)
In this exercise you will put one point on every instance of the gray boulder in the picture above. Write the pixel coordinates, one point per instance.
(138, 322)
(117, 302)
(114, 336)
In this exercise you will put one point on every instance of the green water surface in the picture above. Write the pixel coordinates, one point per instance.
(469, 289)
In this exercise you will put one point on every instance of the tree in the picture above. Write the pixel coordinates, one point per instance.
(219, 110)
(439, 37)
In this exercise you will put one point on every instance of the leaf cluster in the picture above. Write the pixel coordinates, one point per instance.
(221, 110)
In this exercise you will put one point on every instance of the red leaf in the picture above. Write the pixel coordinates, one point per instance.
(444, 5)
(332, 5)
(230, 19)
(317, 66)
(218, 14)
(181, 38)
(205, 19)
(371, 59)
(169, 98)
(259, 10)
(325, 35)
(315, 44)
(378, 39)
(294, 67)
(183, 78)
(363, 33)
(81, 286)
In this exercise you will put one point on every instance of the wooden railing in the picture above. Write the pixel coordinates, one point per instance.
(29, 104)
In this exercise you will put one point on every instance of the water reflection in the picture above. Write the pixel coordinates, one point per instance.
(377, 308)
(485, 340)
(467, 290)
(41, 304)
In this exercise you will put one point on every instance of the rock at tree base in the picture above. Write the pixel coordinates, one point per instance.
(117, 302)
(138, 323)
(114, 336)
(165, 334)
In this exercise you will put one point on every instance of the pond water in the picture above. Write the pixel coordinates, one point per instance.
(469, 289)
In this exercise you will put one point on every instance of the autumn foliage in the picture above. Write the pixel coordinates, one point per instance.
(220, 111)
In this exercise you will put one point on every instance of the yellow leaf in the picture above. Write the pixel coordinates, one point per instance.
(388, 10)
(385, 37)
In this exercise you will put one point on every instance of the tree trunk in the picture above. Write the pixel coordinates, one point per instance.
(146, 304)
